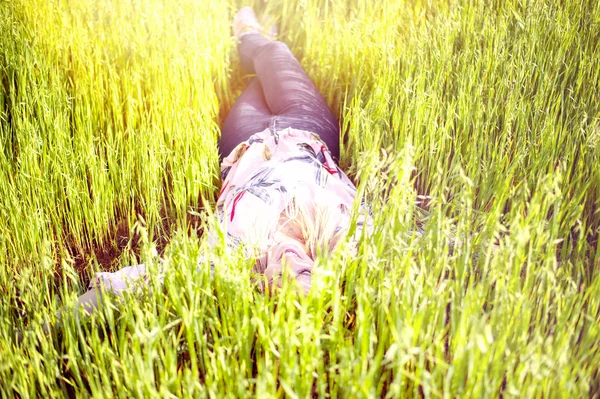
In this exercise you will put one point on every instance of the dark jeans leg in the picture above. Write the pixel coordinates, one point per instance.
(247, 47)
(250, 114)
(287, 98)
(292, 96)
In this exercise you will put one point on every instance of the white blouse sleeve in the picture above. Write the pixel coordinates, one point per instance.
(126, 279)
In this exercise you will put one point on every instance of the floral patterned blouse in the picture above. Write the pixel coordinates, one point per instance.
(261, 176)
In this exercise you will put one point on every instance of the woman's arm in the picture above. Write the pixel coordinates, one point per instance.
(90, 300)
(125, 279)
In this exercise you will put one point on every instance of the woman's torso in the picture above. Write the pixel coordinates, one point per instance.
(264, 174)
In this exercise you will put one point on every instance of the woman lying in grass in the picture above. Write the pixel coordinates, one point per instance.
(283, 198)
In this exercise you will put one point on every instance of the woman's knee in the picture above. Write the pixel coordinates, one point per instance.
(273, 47)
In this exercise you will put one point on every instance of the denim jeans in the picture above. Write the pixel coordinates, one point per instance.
(281, 95)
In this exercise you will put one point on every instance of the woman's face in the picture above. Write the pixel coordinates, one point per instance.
(289, 253)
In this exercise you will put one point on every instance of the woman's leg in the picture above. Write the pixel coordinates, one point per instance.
(250, 43)
(288, 91)
(249, 114)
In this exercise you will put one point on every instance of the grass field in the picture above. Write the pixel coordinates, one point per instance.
(477, 121)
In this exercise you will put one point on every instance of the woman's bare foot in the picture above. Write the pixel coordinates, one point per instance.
(269, 27)
(245, 22)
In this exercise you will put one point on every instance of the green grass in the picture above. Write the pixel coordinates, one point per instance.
(477, 121)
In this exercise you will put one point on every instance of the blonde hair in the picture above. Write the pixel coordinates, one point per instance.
(314, 224)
